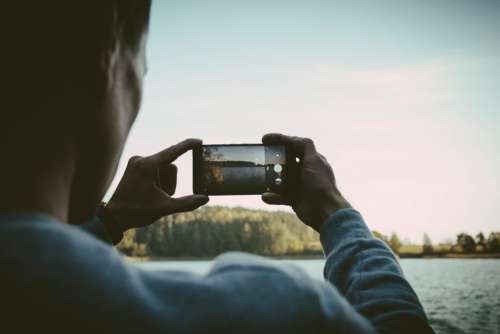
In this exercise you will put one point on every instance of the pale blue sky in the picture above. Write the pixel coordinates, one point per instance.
(402, 97)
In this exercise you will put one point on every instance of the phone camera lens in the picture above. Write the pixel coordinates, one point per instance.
(278, 168)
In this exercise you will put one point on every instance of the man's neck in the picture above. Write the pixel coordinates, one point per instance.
(37, 181)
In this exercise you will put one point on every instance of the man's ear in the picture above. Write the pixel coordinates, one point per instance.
(108, 60)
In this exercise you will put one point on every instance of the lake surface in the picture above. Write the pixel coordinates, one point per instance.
(459, 295)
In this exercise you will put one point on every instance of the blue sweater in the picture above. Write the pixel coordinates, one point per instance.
(59, 278)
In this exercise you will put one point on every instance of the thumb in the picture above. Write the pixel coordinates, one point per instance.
(276, 199)
(187, 203)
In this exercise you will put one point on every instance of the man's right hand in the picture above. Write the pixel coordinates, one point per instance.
(316, 196)
(145, 193)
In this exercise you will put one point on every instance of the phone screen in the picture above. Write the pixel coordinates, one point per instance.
(238, 169)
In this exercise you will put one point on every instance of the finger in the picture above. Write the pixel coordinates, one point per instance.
(322, 157)
(302, 146)
(187, 203)
(170, 154)
(274, 199)
(167, 178)
(326, 163)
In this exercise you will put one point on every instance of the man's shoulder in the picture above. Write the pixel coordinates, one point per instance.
(259, 278)
(39, 241)
(41, 230)
(240, 262)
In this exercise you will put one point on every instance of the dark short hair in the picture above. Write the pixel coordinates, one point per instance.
(53, 47)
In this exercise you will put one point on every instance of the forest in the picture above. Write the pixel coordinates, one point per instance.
(213, 230)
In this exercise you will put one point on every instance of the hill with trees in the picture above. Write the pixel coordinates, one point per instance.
(212, 230)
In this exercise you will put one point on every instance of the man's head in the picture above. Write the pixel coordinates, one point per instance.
(74, 73)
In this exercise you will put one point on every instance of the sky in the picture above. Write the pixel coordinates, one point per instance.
(402, 97)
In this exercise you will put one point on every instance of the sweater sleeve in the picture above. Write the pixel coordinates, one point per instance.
(100, 230)
(367, 274)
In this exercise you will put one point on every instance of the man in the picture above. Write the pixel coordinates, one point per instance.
(74, 74)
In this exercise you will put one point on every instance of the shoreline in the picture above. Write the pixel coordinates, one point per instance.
(315, 257)
(210, 258)
(451, 256)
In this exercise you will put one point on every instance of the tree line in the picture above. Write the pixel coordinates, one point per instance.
(463, 244)
(213, 230)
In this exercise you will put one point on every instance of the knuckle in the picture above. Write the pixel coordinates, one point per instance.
(307, 141)
(324, 189)
(323, 159)
(315, 160)
(135, 162)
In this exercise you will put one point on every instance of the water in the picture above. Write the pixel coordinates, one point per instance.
(459, 296)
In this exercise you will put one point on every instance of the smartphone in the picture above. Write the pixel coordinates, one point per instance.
(241, 169)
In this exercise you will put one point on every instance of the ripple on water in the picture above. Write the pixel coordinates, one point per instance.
(444, 326)
(459, 296)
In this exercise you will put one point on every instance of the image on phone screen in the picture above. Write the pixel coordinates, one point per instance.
(238, 169)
